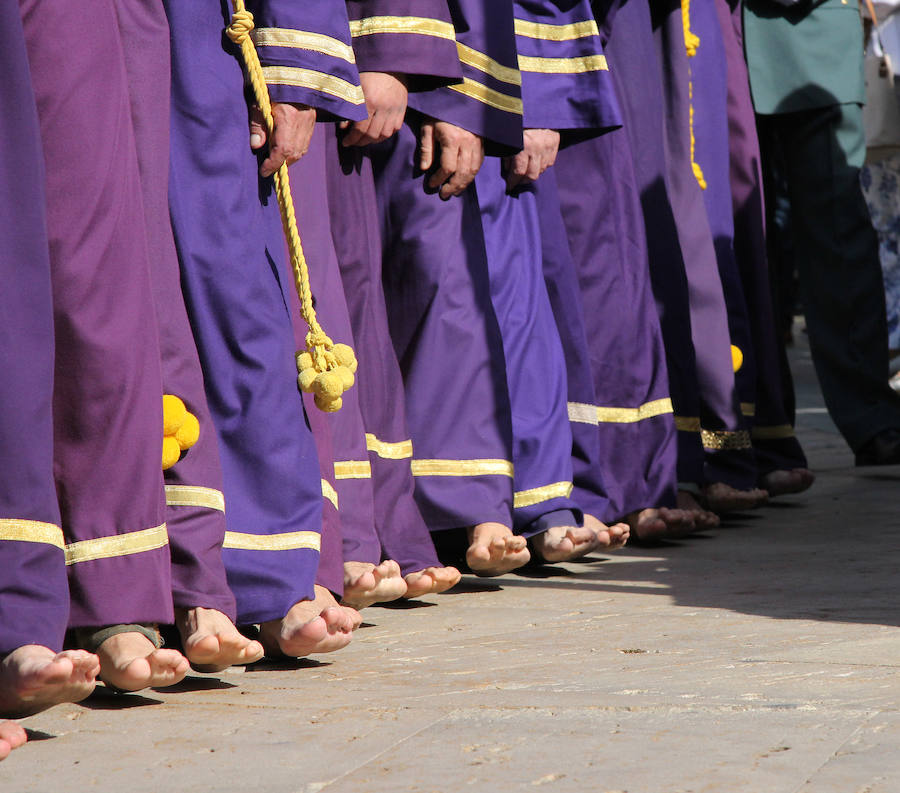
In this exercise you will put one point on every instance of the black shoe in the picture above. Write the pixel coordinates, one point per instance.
(883, 449)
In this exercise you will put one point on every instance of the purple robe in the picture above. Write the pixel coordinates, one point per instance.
(772, 433)
(340, 436)
(601, 208)
(34, 594)
(447, 342)
(635, 69)
(107, 391)
(401, 530)
(535, 363)
(231, 249)
(564, 291)
(728, 454)
(195, 513)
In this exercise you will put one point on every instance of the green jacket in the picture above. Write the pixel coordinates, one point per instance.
(805, 56)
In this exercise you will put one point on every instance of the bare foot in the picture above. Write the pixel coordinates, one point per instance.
(565, 543)
(495, 550)
(431, 581)
(703, 518)
(721, 498)
(211, 642)
(653, 525)
(782, 483)
(131, 662)
(34, 678)
(311, 626)
(366, 583)
(12, 736)
(609, 538)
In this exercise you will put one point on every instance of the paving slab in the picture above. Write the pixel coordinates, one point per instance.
(763, 657)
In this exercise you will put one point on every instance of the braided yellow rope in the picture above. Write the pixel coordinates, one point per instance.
(691, 44)
(325, 369)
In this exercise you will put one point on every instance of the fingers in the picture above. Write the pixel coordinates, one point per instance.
(517, 168)
(357, 133)
(468, 164)
(449, 158)
(426, 145)
(257, 129)
(294, 127)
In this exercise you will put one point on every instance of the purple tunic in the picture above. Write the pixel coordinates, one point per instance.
(728, 455)
(340, 436)
(108, 386)
(635, 69)
(401, 530)
(231, 249)
(195, 513)
(608, 244)
(773, 437)
(34, 595)
(535, 363)
(447, 342)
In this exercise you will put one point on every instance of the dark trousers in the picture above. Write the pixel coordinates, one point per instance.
(836, 253)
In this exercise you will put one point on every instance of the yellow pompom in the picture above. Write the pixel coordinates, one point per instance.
(345, 356)
(189, 432)
(328, 404)
(306, 379)
(328, 385)
(737, 357)
(304, 361)
(171, 452)
(174, 412)
(347, 378)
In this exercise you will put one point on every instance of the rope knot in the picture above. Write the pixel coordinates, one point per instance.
(241, 25)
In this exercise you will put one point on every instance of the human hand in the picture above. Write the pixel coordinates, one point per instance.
(457, 153)
(386, 98)
(538, 154)
(294, 125)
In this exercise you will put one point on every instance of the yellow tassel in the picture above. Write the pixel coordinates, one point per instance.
(691, 44)
(321, 356)
(174, 412)
(171, 452)
(181, 430)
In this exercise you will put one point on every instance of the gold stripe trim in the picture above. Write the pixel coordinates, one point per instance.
(776, 432)
(192, 496)
(648, 410)
(478, 60)
(387, 24)
(462, 468)
(535, 495)
(289, 541)
(303, 40)
(353, 469)
(582, 413)
(588, 63)
(17, 530)
(329, 493)
(748, 409)
(316, 81)
(541, 30)
(687, 424)
(402, 450)
(488, 96)
(720, 440)
(117, 545)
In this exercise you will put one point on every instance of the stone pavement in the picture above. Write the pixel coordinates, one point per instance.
(763, 657)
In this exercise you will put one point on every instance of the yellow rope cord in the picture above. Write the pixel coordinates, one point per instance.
(325, 369)
(691, 44)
